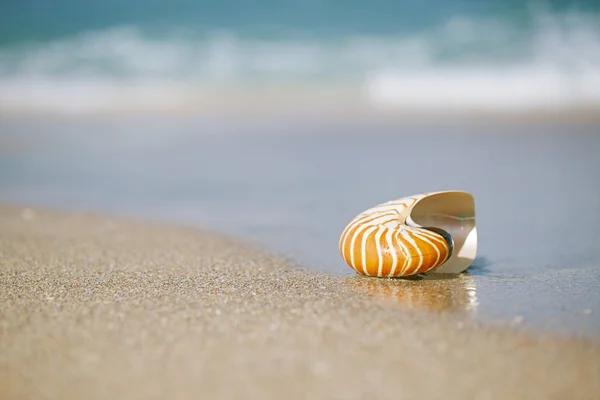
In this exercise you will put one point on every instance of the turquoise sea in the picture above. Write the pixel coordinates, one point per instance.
(71, 56)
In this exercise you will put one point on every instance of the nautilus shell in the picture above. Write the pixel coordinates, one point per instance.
(430, 232)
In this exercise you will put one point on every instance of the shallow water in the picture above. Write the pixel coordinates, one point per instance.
(293, 185)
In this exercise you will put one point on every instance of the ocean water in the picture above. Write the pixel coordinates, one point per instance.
(69, 56)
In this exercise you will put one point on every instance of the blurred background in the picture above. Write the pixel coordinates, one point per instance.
(279, 121)
(73, 56)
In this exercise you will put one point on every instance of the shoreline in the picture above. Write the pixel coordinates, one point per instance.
(441, 293)
(310, 103)
(527, 118)
(102, 306)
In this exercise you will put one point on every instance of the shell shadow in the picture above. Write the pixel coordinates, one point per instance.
(480, 266)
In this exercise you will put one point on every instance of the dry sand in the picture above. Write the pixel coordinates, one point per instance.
(97, 308)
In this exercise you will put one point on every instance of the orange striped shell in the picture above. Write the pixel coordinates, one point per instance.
(378, 242)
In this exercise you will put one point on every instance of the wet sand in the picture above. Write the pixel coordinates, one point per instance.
(96, 308)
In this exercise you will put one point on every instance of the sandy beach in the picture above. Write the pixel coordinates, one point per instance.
(96, 307)
(175, 179)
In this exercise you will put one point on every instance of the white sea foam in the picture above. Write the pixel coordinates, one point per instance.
(465, 64)
(518, 88)
(558, 68)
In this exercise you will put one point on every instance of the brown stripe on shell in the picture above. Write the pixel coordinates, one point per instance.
(372, 248)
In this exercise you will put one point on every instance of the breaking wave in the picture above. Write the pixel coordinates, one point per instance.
(465, 64)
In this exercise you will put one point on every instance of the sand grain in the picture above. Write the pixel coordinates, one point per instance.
(98, 308)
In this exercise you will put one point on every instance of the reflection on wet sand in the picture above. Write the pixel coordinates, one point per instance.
(432, 293)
